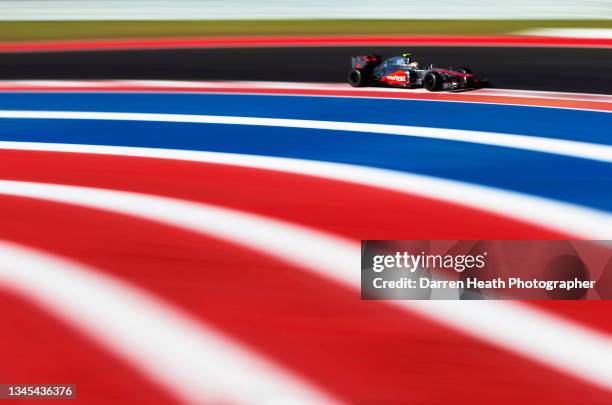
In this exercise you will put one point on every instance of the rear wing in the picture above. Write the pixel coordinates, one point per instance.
(367, 61)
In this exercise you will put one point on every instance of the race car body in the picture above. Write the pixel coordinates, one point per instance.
(401, 71)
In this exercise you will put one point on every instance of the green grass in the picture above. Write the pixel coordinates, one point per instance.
(24, 31)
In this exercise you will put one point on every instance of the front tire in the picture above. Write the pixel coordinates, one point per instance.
(356, 78)
(433, 81)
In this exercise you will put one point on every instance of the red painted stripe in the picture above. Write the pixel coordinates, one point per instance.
(306, 41)
(400, 94)
(360, 351)
(37, 349)
(353, 211)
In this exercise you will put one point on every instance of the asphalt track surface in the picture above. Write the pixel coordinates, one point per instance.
(555, 69)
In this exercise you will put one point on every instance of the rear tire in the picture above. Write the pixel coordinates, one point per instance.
(356, 78)
(433, 81)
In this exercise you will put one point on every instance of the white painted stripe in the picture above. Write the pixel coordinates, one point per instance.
(563, 345)
(249, 230)
(339, 91)
(548, 95)
(525, 142)
(339, 87)
(183, 83)
(566, 218)
(190, 360)
(344, 87)
(56, 83)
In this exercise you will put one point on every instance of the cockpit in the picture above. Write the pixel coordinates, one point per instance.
(401, 62)
(397, 61)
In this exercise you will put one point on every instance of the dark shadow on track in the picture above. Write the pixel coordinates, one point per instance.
(556, 69)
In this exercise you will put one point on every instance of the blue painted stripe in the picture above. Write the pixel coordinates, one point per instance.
(578, 181)
(585, 126)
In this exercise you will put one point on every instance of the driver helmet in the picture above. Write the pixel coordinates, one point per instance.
(407, 58)
(414, 65)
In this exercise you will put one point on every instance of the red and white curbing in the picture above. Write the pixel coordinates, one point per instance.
(582, 101)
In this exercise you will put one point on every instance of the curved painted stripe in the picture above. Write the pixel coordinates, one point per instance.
(296, 41)
(574, 125)
(571, 101)
(346, 209)
(243, 299)
(521, 171)
(352, 210)
(195, 363)
(37, 346)
(339, 88)
(101, 84)
(565, 346)
(563, 217)
(538, 144)
(294, 243)
(341, 208)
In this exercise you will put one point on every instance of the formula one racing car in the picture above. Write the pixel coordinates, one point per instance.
(402, 71)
